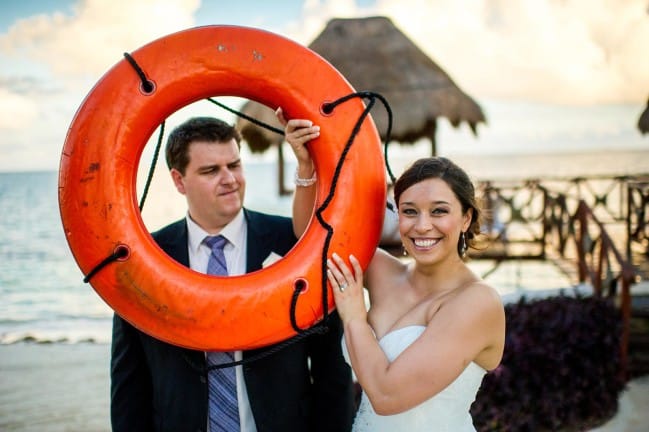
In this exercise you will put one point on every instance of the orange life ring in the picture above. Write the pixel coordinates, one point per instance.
(97, 187)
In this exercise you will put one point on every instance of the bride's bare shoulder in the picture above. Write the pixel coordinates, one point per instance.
(382, 258)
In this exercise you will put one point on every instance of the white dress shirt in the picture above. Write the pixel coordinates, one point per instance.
(236, 232)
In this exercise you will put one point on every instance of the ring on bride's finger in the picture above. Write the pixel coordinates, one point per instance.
(342, 286)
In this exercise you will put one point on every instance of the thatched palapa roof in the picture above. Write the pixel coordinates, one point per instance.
(643, 121)
(259, 139)
(374, 55)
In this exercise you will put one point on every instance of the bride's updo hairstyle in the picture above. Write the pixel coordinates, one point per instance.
(455, 177)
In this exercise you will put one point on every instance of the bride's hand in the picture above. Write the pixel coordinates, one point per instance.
(347, 287)
(298, 132)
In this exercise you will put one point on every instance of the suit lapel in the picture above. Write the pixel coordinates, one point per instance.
(258, 243)
(175, 243)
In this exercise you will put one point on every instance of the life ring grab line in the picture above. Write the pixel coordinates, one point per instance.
(83, 130)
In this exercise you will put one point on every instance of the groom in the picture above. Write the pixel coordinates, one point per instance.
(156, 386)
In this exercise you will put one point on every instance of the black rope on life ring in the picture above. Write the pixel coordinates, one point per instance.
(148, 86)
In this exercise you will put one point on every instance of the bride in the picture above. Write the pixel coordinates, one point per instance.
(433, 328)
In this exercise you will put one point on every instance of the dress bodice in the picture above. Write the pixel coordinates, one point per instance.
(448, 411)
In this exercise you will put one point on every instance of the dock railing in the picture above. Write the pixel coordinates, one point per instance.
(599, 263)
(579, 224)
(637, 217)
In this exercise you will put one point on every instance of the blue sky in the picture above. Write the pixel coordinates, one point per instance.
(551, 75)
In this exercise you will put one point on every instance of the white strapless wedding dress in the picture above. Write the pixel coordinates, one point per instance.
(448, 411)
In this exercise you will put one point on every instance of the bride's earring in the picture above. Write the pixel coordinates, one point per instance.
(463, 245)
(405, 252)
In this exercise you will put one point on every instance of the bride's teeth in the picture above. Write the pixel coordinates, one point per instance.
(424, 242)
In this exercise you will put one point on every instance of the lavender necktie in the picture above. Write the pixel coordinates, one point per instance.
(223, 407)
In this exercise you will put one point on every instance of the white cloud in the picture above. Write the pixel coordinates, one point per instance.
(95, 37)
(16, 110)
(567, 51)
(573, 51)
(63, 56)
(570, 51)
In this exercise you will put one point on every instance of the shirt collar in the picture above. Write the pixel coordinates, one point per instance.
(233, 232)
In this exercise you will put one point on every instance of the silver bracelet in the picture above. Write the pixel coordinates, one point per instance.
(304, 182)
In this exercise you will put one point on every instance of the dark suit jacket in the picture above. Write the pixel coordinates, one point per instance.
(156, 386)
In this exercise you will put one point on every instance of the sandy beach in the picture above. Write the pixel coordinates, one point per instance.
(632, 414)
(59, 387)
(54, 387)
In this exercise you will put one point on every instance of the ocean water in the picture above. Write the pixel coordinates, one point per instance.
(43, 297)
